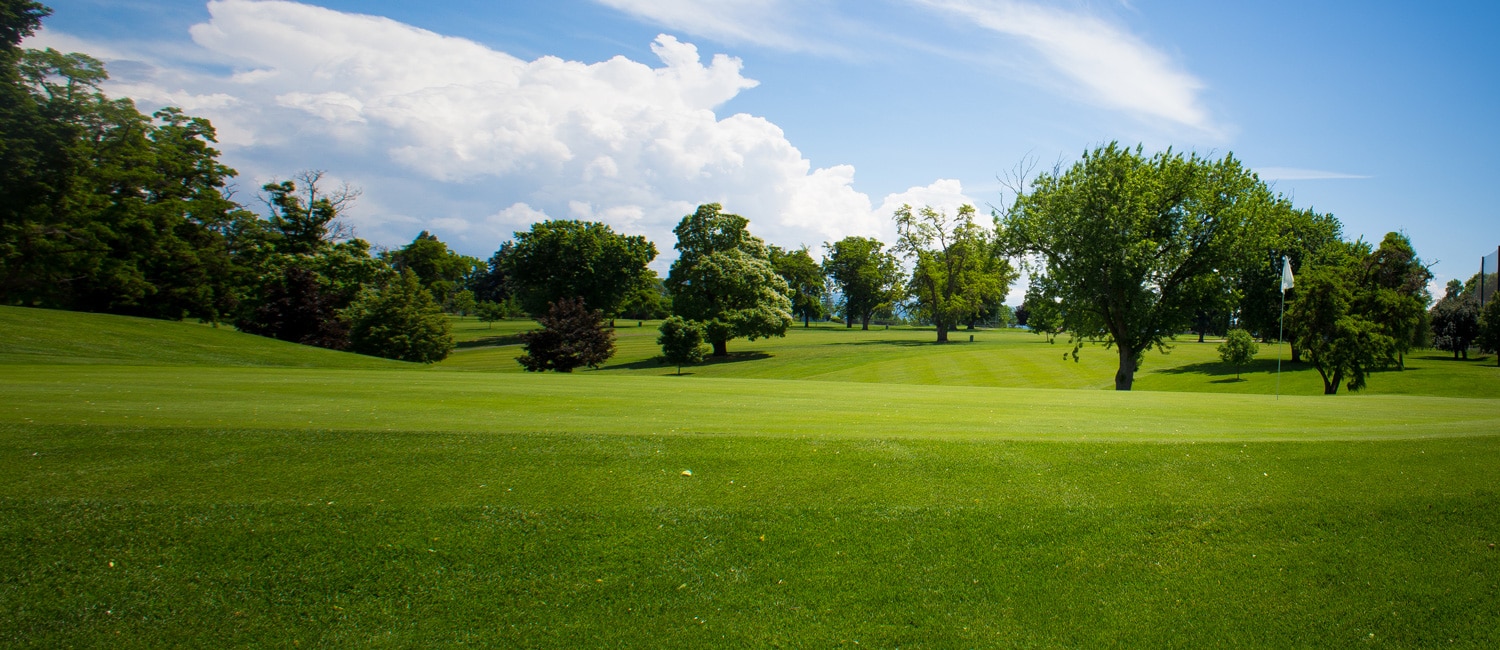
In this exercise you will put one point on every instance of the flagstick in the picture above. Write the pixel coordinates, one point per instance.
(1280, 342)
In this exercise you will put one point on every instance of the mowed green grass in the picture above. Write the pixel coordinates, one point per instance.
(997, 358)
(149, 503)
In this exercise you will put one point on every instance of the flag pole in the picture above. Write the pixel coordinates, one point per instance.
(1280, 343)
(1286, 283)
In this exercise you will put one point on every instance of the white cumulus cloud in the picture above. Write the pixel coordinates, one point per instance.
(472, 143)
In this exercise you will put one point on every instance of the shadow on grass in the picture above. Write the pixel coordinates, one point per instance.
(490, 341)
(1448, 357)
(1220, 369)
(656, 362)
(1231, 380)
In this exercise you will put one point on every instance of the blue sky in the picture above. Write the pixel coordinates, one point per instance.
(815, 119)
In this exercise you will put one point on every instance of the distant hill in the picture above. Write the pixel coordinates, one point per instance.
(46, 336)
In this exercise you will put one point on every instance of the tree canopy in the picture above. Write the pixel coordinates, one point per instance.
(1123, 242)
(805, 278)
(957, 268)
(566, 258)
(724, 280)
(868, 278)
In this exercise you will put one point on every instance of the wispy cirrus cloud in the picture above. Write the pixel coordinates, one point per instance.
(1098, 60)
(1111, 65)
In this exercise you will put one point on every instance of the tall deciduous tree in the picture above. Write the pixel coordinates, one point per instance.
(1392, 293)
(1296, 235)
(307, 216)
(804, 277)
(724, 280)
(441, 271)
(957, 268)
(1334, 336)
(1489, 327)
(867, 277)
(1455, 320)
(103, 208)
(566, 258)
(400, 321)
(1122, 238)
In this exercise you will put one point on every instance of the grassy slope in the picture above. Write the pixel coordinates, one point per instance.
(342, 506)
(45, 336)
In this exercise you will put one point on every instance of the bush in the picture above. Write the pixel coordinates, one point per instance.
(572, 335)
(1238, 348)
(681, 341)
(399, 321)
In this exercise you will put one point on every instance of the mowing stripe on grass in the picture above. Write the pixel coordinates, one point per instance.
(348, 400)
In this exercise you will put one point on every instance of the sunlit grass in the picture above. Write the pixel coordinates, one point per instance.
(177, 485)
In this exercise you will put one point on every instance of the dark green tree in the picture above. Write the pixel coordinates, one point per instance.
(572, 336)
(868, 278)
(724, 280)
(1392, 293)
(649, 300)
(1122, 239)
(564, 259)
(681, 342)
(103, 208)
(441, 271)
(1336, 339)
(1489, 328)
(1455, 320)
(399, 320)
(805, 278)
(1290, 232)
(957, 268)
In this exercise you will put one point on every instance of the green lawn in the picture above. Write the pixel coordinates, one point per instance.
(996, 358)
(168, 484)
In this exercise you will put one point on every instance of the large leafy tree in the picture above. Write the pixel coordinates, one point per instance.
(868, 278)
(1455, 320)
(957, 268)
(724, 280)
(103, 208)
(1489, 327)
(441, 271)
(565, 258)
(1392, 293)
(804, 277)
(1125, 242)
(1291, 233)
(1337, 339)
(399, 320)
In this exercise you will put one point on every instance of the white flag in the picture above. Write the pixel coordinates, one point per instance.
(1286, 273)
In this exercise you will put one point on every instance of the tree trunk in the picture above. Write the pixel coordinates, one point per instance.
(942, 331)
(1296, 354)
(849, 323)
(1125, 376)
(721, 348)
(805, 319)
(1331, 387)
(864, 323)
